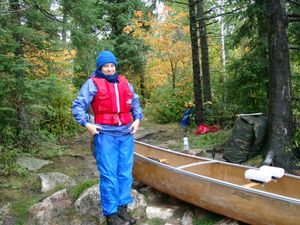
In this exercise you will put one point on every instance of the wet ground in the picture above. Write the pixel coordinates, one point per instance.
(78, 163)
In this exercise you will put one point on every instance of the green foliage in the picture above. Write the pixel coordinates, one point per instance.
(296, 112)
(51, 105)
(129, 50)
(167, 104)
(217, 113)
(246, 84)
(47, 106)
(47, 117)
(8, 165)
(209, 219)
(294, 34)
(251, 78)
(210, 140)
(77, 190)
(296, 143)
(156, 221)
(21, 208)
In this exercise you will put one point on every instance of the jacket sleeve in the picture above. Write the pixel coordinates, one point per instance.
(83, 101)
(136, 109)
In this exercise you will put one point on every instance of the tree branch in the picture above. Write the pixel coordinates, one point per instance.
(207, 24)
(43, 11)
(293, 15)
(222, 14)
(293, 2)
(294, 20)
(294, 48)
(180, 3)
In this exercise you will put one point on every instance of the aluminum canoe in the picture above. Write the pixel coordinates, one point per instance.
(218, 186)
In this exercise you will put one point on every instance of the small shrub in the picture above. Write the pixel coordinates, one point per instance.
(166, 104)
(20, 209)
(8, 165)
(208, 219)
(81, 187)
(210, 140)
(156, 221)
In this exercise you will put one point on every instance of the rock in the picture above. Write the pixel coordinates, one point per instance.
(145, 190)
(76, 221)
(187, 218)
(138, 200)
(190, 152)
(219, 156)
(200, 213)
(156, 197)
(4, 210)
(52, 180)
(5, 219)
(138, 185)
(138, 205)
(227, 221)
(162, 213)
(32, 163)
(45, 212)
(168, 144)
(205, 154)
(89, 202)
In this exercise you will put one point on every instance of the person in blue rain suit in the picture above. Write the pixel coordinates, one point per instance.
(117, 113)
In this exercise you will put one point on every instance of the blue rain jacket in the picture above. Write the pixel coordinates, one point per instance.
(113, 151)
(84, 99)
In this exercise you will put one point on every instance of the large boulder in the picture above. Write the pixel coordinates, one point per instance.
(89, 202)
(32, 163)
(159, 212)
(187, 218)
(52, 180)
(45, 212)
(138, 205)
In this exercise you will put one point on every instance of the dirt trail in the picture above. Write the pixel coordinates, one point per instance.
(79, 163)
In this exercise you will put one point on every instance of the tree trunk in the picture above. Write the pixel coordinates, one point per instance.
(173, 68)
(262, 36)
(142, 87)
(196, 64)
(223, 53)
(204, 54)
(19, 73)
(64, 27)
(279, 108)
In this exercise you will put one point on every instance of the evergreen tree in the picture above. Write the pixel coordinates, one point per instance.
(129, 50)
(196, 64)
(280, 126)
(207, 96)
(249, 70)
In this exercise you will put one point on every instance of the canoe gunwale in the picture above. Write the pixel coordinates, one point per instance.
(192, 156)
(213, 180)
(195, 164)
(207, 159)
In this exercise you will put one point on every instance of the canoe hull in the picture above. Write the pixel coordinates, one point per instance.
(229, 200)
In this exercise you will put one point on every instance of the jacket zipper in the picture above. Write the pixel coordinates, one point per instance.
(118, 102)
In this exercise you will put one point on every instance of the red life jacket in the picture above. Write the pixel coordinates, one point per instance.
(112, 102)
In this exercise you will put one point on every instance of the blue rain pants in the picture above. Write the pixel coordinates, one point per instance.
(114, 157)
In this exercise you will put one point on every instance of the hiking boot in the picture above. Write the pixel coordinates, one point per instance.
(113, 219)
(123, 214)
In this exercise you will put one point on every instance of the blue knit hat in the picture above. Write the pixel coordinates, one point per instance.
(105, 57)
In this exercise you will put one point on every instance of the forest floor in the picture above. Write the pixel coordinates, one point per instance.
(21, 192)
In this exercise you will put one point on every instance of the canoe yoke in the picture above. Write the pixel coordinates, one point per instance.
(165, 161)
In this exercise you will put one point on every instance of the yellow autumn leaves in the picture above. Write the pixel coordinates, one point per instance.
(167, 36)
(43, 63)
